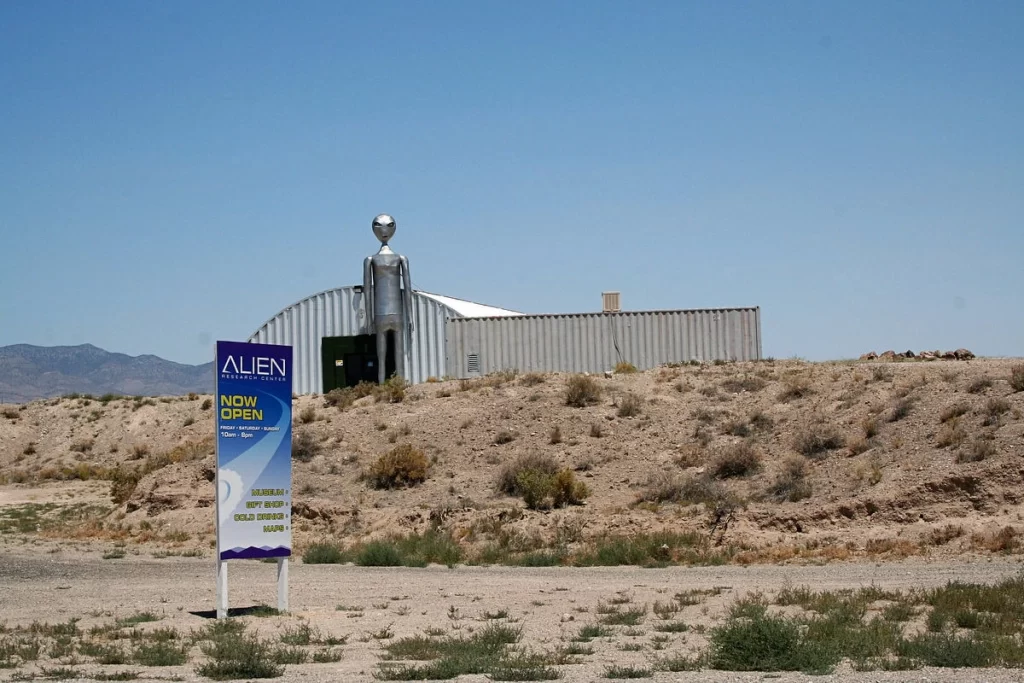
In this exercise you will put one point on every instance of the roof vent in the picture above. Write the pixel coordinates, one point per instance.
(610, 302)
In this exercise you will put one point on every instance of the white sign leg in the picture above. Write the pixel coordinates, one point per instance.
(282, 584)
(222, 589)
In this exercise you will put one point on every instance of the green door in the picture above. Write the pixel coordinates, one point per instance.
(347, 361)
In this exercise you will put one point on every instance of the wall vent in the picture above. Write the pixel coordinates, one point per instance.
(610, 302)
(473, 364)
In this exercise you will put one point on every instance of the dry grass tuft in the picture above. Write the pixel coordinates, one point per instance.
(791, 483)
(979, 385)
(953, 411)
(817, 440)
(305, 447)
(738, 460)
(1017, 377)
(747, 383)
(532, 379)
(795, 388)
(625, 368)
(952, 434)
(981, 448)
(901, 409)
(630, 405)
(582, 391)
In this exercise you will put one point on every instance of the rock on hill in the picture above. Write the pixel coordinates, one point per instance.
(30, 372)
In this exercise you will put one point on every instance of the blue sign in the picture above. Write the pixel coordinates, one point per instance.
(254, 450)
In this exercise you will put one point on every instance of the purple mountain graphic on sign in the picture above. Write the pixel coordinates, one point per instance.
(253, 553)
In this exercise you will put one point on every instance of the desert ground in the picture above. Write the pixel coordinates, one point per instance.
(698, 491)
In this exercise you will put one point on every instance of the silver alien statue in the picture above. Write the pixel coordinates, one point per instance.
(388, 304)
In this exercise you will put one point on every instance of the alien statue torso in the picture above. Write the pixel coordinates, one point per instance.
(386, 267)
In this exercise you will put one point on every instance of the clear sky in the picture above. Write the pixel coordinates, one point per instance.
(172, 173)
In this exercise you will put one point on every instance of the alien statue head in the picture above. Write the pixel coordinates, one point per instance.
(384, 227)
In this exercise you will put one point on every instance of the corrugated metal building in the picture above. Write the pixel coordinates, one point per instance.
(594, 342)
(339, 313)
(458, 338)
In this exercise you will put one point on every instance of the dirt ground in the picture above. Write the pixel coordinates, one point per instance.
(550, 604)
(913, 477)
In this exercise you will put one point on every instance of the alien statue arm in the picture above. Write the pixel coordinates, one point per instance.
(407, 292)
(368, 293)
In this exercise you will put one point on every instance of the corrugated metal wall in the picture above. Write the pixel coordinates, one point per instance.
(339, 313)
(595, 342)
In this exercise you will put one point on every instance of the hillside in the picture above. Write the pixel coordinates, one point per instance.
(757, 461)
(30, 372)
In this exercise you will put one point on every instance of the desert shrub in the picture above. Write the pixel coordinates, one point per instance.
(738, 460)
(541, 490)
(124, 479)
(233, 653)
(596, 430)
(791, 483)
(582, 391)
(624, 368)
(160, 653)
(343, 398)
(944, 535)
(556, 435)
(83, 446)
(403, 465)
(305, 446)
(861, 445)
(979, 385)
(323, 553)
(736, 428)
(531, 379)
(981, 448)
(1017, 377)
(504, 437)
(870, 426)
(30, 449)
(794, 388)
(567, 490)
(508, 476)
(747, 383)
(952, 434)
(188, 421)
(631, 405)
(994, 408)
(206, 404)
(761, 422)
(685, 490)
(901, 409)
(761, 642)
(817, 440)
(955, 410)
(307, 415)
(392, 391)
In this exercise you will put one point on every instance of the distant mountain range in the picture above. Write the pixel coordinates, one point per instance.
(29, 372)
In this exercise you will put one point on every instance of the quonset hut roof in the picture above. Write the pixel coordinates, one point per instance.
(469, 309)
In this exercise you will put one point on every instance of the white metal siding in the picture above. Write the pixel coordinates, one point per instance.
(339, 313)
(595, 342)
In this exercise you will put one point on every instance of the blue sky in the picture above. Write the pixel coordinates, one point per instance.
(176, 173)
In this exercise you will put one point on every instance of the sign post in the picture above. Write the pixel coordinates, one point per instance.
(254, 460)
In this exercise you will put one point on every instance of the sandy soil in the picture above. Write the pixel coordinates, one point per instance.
(928, 467)
(551, 604)
(924, 446)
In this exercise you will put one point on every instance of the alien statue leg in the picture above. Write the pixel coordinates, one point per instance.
(382, 352)
(400, 353)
